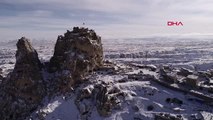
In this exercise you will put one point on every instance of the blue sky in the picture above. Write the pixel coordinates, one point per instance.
(45, 19)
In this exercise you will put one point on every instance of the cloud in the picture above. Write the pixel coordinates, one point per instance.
(112, 18)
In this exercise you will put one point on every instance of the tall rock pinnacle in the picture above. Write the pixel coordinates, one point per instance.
(24, 89)
(78, 51)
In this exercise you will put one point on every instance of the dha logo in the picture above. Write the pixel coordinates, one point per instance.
(172, 23)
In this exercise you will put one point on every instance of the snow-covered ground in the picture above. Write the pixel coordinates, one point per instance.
(134, 103)
(193, 53)
(142, 98)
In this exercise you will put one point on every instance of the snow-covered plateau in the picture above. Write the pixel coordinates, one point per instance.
(155, 78)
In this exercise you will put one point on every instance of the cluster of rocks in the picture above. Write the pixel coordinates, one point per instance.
(104, 96)
(167, 75)
(166, 116)
(188, 78)
(101, 96)
(195, 83)
(76, 54)
(129, 55)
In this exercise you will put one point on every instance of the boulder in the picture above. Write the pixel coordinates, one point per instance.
(184, 72)
(23, 90)
(78, 51)
(192, 81)
(167, 77)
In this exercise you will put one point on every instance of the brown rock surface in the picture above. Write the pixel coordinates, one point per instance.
(78, 51)
(24, 89)
(76, 54)
(26, 78)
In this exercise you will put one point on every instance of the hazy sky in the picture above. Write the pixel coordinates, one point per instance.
(110, 18)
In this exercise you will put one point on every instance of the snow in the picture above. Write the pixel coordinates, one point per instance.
(207, 115)
(182, 52)
(195, 54)
(51, 107)
(59, 108)
(139, 94)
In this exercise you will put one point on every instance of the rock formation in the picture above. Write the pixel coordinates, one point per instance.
(165, 116)
(104, 101)
(103, 97)
(77, 52)
(184, 72)
(192, 81)
(24, 89)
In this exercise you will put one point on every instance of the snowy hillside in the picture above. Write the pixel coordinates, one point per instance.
(145, 79)
(135, 99)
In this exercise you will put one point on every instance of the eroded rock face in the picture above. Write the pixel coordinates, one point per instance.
(192, 81)
(184, 72)
(104, 105)
(24, 89)
(165, 116)
(103, 97)
(76, 54)
(78, 51)
(26, 76)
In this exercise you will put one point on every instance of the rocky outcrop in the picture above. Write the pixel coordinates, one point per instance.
(24, 89)
(184, 72)
(106, 99)
(167, 116)
(192, 81)
(77, 52)
(100, 96)
(167, 77)
(104, 106)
